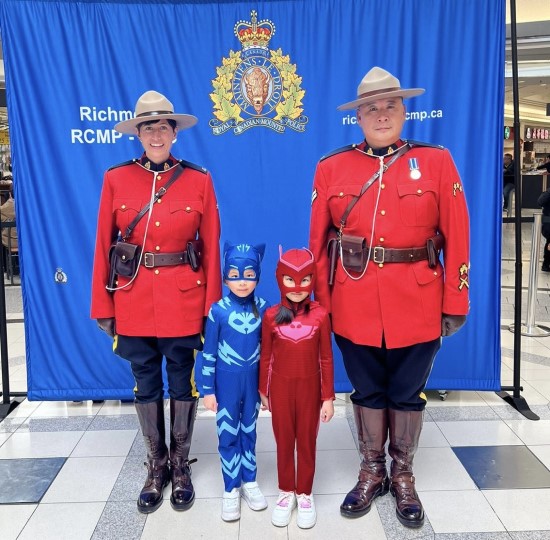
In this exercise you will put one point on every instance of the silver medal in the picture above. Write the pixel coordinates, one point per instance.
(413, 167)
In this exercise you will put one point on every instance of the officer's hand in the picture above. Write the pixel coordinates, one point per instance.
(107, 325)
(451, 324)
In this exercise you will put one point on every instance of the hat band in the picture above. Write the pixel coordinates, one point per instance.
(376, 92)
(154, 113)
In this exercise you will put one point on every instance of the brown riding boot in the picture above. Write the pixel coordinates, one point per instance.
(151, 420)
(405, 428)
(182, 420)
(372, 432)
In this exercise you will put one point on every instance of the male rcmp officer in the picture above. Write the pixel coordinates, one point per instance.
(391, 300)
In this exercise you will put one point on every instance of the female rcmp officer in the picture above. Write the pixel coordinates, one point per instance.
(159, 312)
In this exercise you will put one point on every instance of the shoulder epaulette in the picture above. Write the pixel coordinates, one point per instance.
(339, 151)
(129, 162)
(193, 166)
(429, 145)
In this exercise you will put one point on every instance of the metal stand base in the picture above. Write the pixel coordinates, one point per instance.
(6, 408)
(519, 404)
(532, 330)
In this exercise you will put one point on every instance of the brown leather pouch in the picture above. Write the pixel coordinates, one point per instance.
(194, 254)
(354, 253)
(433, 246)
(124, 258)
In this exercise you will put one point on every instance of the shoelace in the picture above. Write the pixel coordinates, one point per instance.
(284, 499)
(304, 502)
(253, 491)
(231, 503)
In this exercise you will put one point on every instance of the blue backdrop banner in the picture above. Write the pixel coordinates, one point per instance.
(74, 69)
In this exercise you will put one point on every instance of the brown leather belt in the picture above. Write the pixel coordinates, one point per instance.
(381, 255)
(152, 260)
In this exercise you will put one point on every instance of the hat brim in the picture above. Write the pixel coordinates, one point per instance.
(404, 93)
(183, 121)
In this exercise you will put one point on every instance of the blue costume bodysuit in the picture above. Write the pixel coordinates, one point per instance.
(229, 368)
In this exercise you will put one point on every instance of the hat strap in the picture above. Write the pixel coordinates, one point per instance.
(375, 92)
(154, 113)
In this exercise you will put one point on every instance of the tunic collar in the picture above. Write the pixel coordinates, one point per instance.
(384, 151)
(144, 161)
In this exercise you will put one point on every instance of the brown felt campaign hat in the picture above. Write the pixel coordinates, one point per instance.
(379, 84)
(154, 106)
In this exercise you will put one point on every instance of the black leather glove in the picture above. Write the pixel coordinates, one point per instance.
(107, 325)
(451, 324)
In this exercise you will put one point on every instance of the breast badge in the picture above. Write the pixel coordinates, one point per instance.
(257, 87)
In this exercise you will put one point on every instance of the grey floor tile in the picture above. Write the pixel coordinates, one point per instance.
(440, 414)
(72, 423)
(123, 421)
(530, 535)
(506, 412)
(473, 536)
(120, 521)
(130, 480)
(26, 480)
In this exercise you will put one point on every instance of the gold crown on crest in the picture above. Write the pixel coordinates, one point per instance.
(253, 33)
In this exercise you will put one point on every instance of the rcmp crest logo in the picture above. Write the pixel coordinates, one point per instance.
(257, 87)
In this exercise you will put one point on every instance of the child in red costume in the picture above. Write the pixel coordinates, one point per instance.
(296, 382)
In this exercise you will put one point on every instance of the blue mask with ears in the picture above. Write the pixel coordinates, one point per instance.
(242, 257)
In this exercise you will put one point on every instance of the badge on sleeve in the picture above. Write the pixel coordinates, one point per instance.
(415, 171)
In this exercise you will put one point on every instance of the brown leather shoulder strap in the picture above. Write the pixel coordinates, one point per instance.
(405, 148)
(159, 194)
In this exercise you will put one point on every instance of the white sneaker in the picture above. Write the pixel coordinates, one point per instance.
(307, 516)
(253, 496)
(283, 509)
(231, 505)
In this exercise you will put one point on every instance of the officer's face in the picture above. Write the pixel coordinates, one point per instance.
(157, 140)
(382, 121)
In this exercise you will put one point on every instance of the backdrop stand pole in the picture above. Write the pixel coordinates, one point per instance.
(7, 406)
(516, 400)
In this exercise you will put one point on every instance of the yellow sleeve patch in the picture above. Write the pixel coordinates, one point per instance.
(463, 277)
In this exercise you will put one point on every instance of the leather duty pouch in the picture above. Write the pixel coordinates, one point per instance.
(124, 258)
(354, 252)
(433, 247)
(194, 254)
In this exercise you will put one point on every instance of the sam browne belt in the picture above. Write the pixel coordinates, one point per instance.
(152, 260)
(381, 255)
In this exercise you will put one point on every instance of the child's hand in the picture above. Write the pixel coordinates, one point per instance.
(327, 410)
(265, 402)
(210, 402)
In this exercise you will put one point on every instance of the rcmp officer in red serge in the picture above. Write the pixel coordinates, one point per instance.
(391, 300)
(159, 311)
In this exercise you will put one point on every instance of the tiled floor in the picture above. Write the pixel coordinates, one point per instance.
(73, 471)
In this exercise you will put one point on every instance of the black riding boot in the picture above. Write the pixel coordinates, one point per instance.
(151, 420)
(182, 420)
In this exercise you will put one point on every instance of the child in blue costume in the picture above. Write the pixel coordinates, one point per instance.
(227, 374)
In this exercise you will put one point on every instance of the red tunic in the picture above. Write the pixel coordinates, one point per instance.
(401, 301)
(169, 301)
(300, 349)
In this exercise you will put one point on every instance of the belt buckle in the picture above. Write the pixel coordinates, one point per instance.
(378, 255)
(149, 260)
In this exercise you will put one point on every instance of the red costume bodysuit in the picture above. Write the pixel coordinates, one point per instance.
(296, 373)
